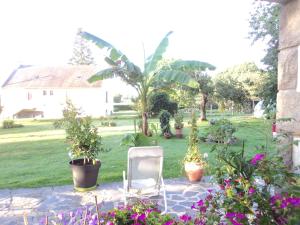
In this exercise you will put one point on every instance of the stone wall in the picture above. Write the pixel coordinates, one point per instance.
(288, 99)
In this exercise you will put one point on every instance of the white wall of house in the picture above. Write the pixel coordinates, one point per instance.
(94, 102)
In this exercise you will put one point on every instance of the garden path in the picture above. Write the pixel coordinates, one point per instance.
(38, 202)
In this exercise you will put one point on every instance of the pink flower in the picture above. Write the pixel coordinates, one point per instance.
(185, 218)
(256, 158)
(251, 190)
(200, 203)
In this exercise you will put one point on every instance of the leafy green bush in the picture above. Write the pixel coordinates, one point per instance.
(252, 190)
(81, 135)
(164, 119)
(161, 101)
(178, 118)
(7, 124)
(135, 140)
(220, 131)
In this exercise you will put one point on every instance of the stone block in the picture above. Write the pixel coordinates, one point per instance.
(288, 106)
(287, 68)
(290, 24)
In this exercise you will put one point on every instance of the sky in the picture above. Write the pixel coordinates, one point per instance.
(42, 32)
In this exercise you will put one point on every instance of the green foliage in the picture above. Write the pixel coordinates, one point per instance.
(164, 119)
(81, 135)
(82, 55)
(251, 187)
(135, 140)
(220, 131)
(251, 77)
(7, 124)
(178, 118)
(264, 26)
(154, 72)
(161, 101)
(193, 153)
(230, 92)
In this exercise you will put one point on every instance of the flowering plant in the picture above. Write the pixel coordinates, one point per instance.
(251, 191)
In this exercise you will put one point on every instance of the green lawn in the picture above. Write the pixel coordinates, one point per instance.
(36, 155)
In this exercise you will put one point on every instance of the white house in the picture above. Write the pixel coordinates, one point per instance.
(32, 91)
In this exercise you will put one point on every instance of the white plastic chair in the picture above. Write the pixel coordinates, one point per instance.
(144, 173)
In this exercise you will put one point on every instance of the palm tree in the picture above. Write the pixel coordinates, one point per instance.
(154, 71)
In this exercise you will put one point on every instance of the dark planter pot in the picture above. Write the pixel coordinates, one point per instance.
(84, 176)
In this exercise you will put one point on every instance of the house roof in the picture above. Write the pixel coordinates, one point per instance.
(67, 76)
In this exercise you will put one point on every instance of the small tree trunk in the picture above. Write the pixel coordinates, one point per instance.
(145, 123)
(203, 107)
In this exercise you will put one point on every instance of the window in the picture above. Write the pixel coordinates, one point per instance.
(106, 97)
(29, 96)
(51, 92)
(44, 92)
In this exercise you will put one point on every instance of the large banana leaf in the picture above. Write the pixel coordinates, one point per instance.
(103, 74)
(191, 65)
(168, 76)
(114, 53)
(153, 60)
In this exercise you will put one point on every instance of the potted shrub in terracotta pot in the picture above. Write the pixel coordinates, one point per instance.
(194, 163)
(178, 125)
(85, 145)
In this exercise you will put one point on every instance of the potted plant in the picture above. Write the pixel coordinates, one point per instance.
(178, 125)
(194, 163)
(85, 145)
(164, 119)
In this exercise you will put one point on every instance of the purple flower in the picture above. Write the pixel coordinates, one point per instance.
(142, 217)
(256, 158)
(203, 209)
(294, 201)
(134, 216)
(200, 203)
(230, 215)
(240, 216)
(251, 191)
(60, 216)
(185, 218)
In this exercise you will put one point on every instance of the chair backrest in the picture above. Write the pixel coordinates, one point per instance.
(145, 163)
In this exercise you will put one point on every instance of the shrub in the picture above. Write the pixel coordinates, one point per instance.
(252, 191)
(135, 140)
(220, 131)
(161, 101)
(7, 124)
(178, 118)
(164, 119)
(82, 136)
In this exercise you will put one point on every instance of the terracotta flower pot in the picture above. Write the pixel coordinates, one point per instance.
(179, 133)
(84, 176)
(194, 171)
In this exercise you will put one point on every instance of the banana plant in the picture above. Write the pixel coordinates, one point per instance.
(154, 72)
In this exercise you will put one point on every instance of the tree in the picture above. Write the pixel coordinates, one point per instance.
(251, 77)
(205, 89)
(82, 54)
(154, 72)
(264, 25)
(230, 92)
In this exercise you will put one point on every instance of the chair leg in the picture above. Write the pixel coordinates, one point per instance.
(165, 202)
